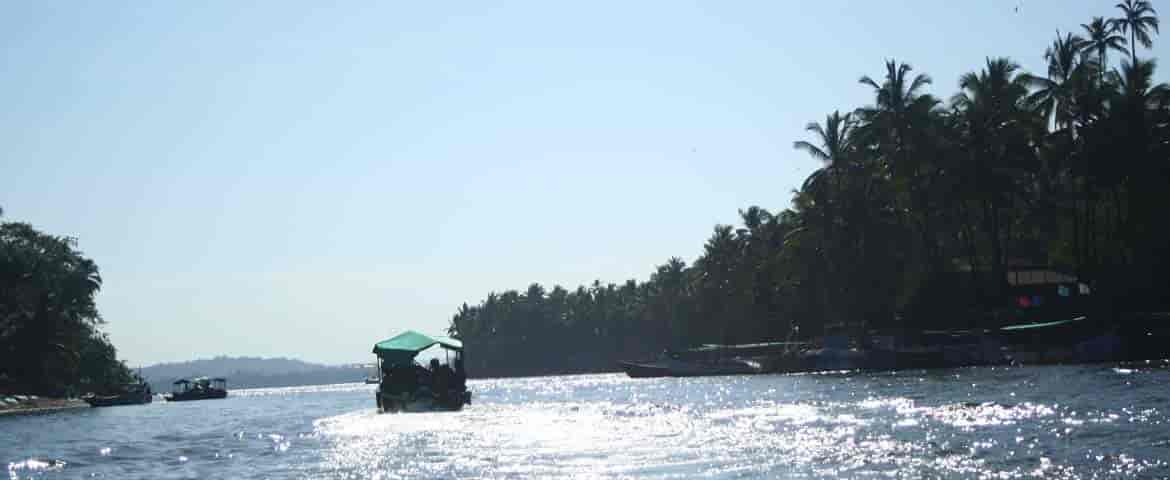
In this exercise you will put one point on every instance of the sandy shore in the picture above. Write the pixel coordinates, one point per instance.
(22, 404)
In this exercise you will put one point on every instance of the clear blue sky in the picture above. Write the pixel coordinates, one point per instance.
(298, 179)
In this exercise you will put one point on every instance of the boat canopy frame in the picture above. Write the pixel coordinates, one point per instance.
(405, 346)
(411, 341)
(402, 348)
(183, 384)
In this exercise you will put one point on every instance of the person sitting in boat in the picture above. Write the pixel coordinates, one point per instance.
(424, 378)
(423, 374)
(402, 379)
(439, 379)
(444, 378)
(460, 377)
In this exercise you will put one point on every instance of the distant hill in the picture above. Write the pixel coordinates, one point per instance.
(255, 372)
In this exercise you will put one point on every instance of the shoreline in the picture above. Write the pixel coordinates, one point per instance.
(35, 405)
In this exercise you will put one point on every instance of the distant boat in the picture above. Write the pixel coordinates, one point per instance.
(714, 360)
(372, 380)
(128, 394)
(651, 369)
(200, 388)
(669, 367)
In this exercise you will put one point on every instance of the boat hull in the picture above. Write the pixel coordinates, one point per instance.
(642, 370)
(190, 396)
(117, 400)
(681, 368)
(422, 401)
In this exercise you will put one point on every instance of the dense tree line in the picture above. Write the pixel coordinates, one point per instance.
(1068, 168)
(50, 337)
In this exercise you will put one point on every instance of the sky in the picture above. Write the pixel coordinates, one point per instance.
(302, 179)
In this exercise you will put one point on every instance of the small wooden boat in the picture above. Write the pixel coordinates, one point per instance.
(689, 368)
(406, 386)
(200, 388)
(644, 370)
(705, 360)
(128, 394)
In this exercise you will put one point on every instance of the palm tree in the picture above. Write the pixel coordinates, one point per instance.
(1102, 38)
(462, 323)
(1138, 100)
(899, 111)
(991, 105)
(1135, 82)
(894, 93)
(670, 283)
(1054, 93)
(834, 137)
(754, 218)
(896, 98)
(719, 291)
(898, 126)
(1138, 19)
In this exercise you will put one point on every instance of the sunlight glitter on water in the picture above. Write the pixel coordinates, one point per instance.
(1068, 422)
(717, 431)
(966, 415)
(34, 466)
(606, 438)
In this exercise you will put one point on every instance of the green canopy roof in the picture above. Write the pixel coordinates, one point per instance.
(412, 342)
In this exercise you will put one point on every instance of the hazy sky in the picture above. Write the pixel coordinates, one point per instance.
(298, 179)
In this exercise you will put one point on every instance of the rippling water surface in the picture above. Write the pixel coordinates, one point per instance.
(1051, 422)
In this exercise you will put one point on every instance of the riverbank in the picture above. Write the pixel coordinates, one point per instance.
(29, 404)
(1134, 337)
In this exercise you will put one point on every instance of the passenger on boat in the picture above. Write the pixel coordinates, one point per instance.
(402, 379)
(444, 378)
(423, 376)
(460, 376)
(439, 378)
(448, 375)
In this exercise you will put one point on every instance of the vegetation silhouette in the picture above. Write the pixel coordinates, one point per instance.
(919, 212)
(51, 341)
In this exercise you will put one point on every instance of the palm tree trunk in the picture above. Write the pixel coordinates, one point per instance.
(1078, 256)
(969, 227)
(993, 241)
(1122, 240)
(1133, 46)
(1104, 66)
(1091, 233)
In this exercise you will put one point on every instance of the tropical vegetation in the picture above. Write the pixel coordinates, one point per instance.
(51, 340)
(1067, 168)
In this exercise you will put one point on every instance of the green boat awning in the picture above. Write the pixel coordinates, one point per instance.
(407, 344)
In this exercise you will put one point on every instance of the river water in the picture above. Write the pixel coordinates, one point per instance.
(1098, 421)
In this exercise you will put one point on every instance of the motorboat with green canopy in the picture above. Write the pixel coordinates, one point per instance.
(406, 386)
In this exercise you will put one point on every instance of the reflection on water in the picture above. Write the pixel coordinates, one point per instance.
(1061, 422)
